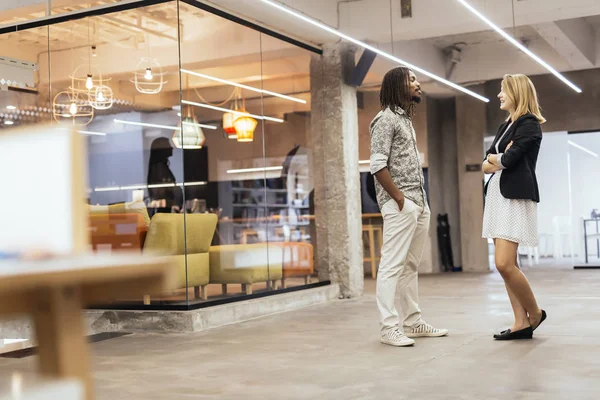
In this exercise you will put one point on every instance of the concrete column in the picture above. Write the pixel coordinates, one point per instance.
(436, 184)
(470, 130)
(420, 123)
(443, 175)
(334, 131)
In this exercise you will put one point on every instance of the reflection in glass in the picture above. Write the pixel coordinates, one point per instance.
(159, 174)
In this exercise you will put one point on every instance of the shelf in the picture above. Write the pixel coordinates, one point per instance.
(259, 189)
(270, 225)
(270, 206)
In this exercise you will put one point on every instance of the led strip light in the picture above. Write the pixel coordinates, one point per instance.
(120, 121)
(520, 46)
(584, 149)
(90, 133)
(156, 186)
(374, 50)
(247, 170)
(277, 168)
(253, 89)
(226, 110)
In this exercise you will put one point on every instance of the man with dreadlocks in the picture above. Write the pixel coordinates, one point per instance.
(399, 185)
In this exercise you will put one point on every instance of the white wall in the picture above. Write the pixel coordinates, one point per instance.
(553, 180)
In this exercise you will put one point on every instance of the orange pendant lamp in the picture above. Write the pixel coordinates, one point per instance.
(230, 117)
(245, 126)
(228, 127)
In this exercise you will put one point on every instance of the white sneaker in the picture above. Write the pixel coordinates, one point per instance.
(423, 329)
(394, 337)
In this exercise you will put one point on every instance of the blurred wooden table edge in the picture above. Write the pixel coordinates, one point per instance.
(55, 292)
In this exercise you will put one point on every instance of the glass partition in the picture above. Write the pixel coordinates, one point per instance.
(584, 200)
(222, 109)
(198, 141)
(117, 85)
(290, 229)
(568, 215)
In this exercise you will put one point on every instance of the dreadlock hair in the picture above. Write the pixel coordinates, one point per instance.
(395, 91)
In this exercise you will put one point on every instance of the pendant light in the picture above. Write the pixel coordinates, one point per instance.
(228, 120)
(229, 117)
(188, 134)
(244, 125)
(148, 74)
(89, 82)
(72, 108)
(149, 77)
(93, 86)
(102, 97)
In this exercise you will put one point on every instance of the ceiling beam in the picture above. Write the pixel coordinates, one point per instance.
(574, 40)
(152, 16)
(121, 23)
(107, 38)
(416, 52)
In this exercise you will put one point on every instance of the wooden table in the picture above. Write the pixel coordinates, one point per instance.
(56, 291)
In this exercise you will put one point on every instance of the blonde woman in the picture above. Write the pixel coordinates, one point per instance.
(510, 216)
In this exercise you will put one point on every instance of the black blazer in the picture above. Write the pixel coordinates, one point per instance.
(518, 180)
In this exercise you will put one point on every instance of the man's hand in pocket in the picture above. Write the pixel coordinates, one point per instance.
(400, 201)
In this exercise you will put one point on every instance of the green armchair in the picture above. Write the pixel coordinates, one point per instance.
(170, 234)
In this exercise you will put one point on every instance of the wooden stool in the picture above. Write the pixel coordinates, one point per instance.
(373, 230)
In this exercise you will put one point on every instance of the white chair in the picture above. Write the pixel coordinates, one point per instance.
(532, 253)
(563, 237)
(546, 244)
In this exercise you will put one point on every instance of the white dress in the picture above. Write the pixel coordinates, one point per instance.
(514, 220)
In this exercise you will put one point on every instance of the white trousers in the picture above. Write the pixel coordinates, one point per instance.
(404, 235)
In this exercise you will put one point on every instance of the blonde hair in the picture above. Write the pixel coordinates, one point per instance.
(521, 91)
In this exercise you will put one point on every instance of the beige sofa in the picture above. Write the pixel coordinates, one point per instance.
(246, 264)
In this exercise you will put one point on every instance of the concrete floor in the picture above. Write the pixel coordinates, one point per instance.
(333, 351)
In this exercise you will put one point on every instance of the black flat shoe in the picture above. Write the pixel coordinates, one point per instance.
(541, 320)
(526, 333)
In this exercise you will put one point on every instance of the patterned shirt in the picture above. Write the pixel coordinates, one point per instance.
(394, 145)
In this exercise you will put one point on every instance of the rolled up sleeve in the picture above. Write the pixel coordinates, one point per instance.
(382, 132)
(499, 160)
